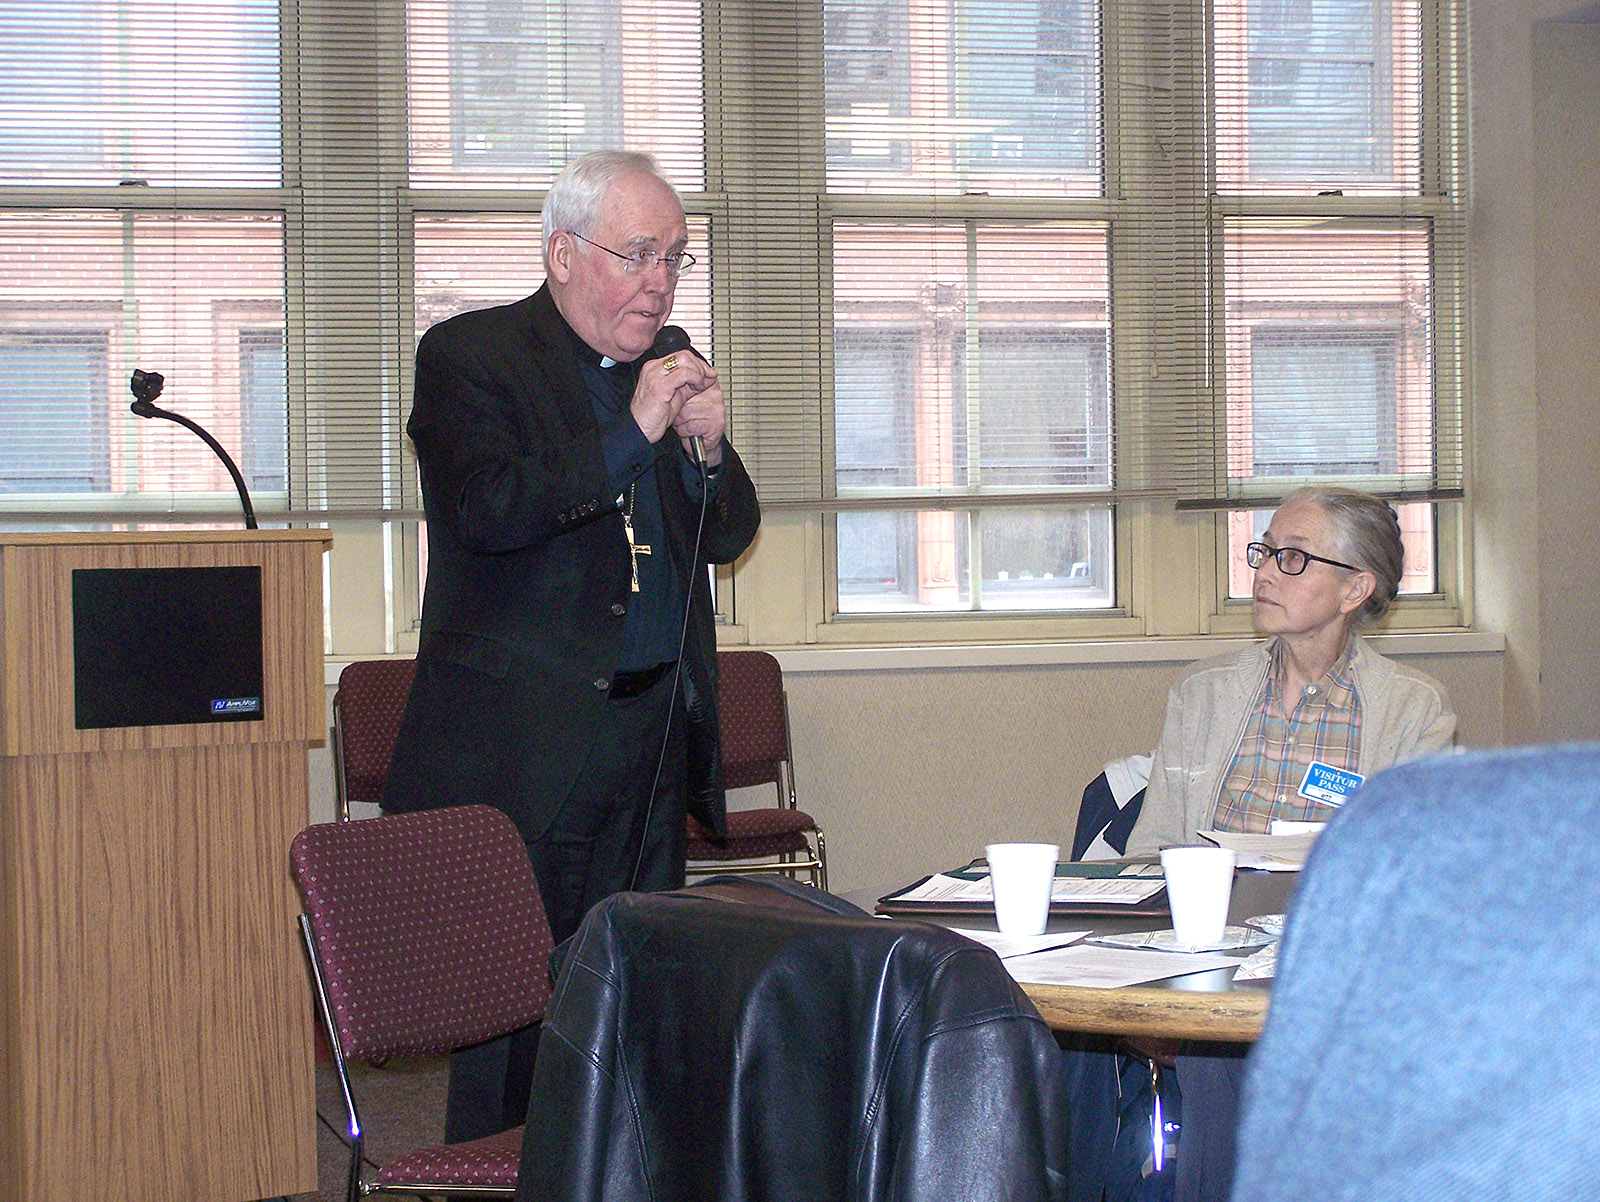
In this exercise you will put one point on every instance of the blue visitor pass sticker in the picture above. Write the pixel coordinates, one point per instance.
(1329, 785)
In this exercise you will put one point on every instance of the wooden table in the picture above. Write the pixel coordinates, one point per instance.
(1203, 1005)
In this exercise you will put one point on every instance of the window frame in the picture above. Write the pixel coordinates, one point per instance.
(1154, 547)
(1170, 571)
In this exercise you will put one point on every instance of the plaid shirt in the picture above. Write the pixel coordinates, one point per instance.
(1274, 754)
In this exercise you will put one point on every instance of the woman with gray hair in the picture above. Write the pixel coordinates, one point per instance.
(1289, 728)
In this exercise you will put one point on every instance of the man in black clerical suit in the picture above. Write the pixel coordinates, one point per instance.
(567, 666)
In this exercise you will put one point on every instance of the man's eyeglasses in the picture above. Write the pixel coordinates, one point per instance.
(1291, 560)
(640, 262)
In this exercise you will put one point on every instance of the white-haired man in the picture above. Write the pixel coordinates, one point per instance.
(566, 671)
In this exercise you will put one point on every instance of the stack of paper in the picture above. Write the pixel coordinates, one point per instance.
(1275, 853)
(943, 887)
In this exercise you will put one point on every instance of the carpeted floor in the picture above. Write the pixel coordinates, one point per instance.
(402, 1107)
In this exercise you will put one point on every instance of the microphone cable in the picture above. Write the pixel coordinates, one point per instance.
(677, 675)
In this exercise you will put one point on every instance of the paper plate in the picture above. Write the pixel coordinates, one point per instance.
(1271, 924)
(1167, 941)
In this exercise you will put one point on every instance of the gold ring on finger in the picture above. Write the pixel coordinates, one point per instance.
(670, 363)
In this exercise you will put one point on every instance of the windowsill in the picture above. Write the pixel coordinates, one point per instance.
(1140, 651)
(1007, 655)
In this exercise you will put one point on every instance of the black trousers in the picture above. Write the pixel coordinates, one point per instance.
(621, 829)
(1109, 1123)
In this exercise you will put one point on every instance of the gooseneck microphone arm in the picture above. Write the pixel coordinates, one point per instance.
(146, 387)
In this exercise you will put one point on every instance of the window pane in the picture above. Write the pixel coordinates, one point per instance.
(1329, 352)
(1314, 95)
(970, 356)
(1418, 533)
(197, 298)
(474, 260)
(1322, 404)
(506, 92)
(1047, 558)
(1046, 419)
(874, 422)
(264, 394)
(1033, 559)
(995, 96)
(900, 562)
(182, 92)
(957, 372)
(52, 429)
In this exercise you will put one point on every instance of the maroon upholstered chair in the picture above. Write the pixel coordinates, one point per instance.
(755, 751)
(425, 934)
(367, 707)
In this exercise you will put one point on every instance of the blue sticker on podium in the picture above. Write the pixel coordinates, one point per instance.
(236, 705)
(1329, 785)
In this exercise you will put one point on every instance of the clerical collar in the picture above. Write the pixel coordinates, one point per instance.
(587, 353)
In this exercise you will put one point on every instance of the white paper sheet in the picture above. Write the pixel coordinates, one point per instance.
(1233, 939)
(1021, 945)
(1097, 967)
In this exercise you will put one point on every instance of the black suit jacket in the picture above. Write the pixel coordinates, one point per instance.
(529, 573)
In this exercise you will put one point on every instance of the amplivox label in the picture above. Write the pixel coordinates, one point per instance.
(236, 705)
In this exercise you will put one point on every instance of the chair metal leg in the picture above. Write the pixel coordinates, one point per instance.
(341, 1068)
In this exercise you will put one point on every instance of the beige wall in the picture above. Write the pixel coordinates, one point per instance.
(1566, 119)
(1536, 347)
(913, 769)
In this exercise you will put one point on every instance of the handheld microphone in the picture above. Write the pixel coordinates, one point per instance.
(671, 339)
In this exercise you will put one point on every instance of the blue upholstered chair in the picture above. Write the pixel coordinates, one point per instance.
(1432, 1032)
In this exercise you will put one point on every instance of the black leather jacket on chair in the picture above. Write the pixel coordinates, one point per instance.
(761, 1040)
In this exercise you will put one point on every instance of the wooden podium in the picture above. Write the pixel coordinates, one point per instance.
(155, 1020)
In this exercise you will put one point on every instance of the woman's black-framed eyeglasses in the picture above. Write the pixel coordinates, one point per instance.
(1291, 560)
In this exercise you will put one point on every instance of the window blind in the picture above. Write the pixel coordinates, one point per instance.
(203, 189)
(141, 225)
(1000, 184)
(346, 248)
(1340, 248)
(991, 253)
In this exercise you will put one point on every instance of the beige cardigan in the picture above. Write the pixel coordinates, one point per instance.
(1405, 714)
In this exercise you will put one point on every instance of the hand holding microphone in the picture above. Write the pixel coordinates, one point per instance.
(694, 405)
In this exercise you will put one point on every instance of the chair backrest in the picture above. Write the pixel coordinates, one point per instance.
(368, 705)
(755, 718)
(429, 928)
(1432, 1030)
(1109, 808)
